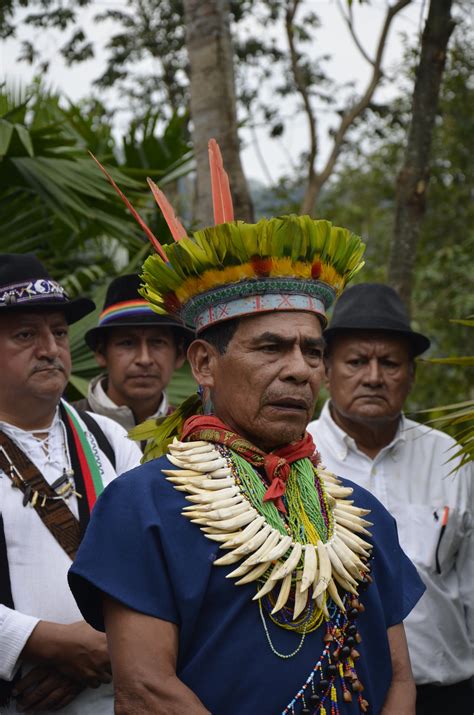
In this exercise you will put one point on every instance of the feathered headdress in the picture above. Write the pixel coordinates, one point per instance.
(234, 268)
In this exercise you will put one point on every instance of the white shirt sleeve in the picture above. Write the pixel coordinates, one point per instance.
(15, 629)
(465, 558)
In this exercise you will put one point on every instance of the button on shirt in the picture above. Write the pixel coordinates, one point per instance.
(411, 477)
(37, 564)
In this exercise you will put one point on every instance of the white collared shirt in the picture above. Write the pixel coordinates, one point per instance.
(411, 477)
(38, 565)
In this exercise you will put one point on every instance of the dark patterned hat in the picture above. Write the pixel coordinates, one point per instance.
(25, 284)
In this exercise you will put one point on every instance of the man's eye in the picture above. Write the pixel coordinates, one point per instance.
(24, 335)
(356, 362)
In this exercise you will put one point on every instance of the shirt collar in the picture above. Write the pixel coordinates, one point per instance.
(343, 442)
(98, 393)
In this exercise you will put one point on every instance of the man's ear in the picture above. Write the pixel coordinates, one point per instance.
(100, 358)
(203, 357)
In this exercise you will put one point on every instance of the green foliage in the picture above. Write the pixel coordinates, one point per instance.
(56, 203)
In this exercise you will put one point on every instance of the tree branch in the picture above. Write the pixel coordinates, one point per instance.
(353, 112)
(349, 20)
(302, 88)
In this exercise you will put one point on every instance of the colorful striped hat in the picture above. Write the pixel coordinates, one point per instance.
(123, 306)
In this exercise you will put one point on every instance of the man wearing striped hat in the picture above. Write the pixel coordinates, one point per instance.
(139, 351)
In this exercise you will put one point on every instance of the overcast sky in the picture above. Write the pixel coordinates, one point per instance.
(332, 38)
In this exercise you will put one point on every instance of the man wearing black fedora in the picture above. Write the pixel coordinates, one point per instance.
(54, 462)
(363, 434)
(139, 351)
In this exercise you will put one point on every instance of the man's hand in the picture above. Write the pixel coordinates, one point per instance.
(45, 688)
(76, 650)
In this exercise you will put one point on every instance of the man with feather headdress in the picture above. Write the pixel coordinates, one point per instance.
(232, 573)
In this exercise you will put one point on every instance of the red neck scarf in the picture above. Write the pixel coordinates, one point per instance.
(276, 463)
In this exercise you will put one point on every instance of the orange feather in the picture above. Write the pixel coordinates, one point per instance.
(221, 196)
(174, 225)
(154, 241)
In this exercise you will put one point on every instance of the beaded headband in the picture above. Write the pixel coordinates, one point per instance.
(233, 269)
(35, 291)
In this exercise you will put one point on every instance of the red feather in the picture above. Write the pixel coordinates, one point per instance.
(174, 225)
(262, 265)
(154, 241)
(316, 270)
(221, 196)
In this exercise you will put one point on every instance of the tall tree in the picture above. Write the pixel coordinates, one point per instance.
(213, 101)
(412, 181)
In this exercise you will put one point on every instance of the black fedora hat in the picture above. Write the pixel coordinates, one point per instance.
(25, 284)
(374, 306)
(124, 306)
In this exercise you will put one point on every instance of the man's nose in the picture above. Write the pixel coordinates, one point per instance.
(46, 344)
(143, 355)
(373, 373)
(296, 367)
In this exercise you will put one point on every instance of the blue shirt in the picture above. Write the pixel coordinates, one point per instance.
(142, 552)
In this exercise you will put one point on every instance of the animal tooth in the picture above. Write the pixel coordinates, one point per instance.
(340, 511)
(222, 503)
(334, 593)
(324, 570)
(309, 568)
(213, 484)
(322, 604)
(210, 456)
(338, 566)
(174, 460)
(280, 549)
(345, 584)
(337, 491)
(206, 498)
(261, 554)
(246, 533)
(291, 562)
(254, 543)
(254, 574)
(183, 473)
(344, 531)
(269, 584)
(352, 525)
(218, 473)
(347, 539)
(227, 513)
(185, 446)
(301, 598)
(227, 559)
(216, 537)
(350, 560)
(357, 510)
(236, 521)
(210, 466)
(203, 449)
(328, 476)
(284, 593)
(182, 480)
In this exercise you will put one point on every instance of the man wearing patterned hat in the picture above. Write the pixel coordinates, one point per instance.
(363, 434)
(54, 462)
(139, 351)
(234, 575)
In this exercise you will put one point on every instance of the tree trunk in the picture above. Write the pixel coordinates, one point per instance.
(412, 180)
(213, 105)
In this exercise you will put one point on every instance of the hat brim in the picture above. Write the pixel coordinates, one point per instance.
(419, 343)
(94, 335)
(73, 310)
